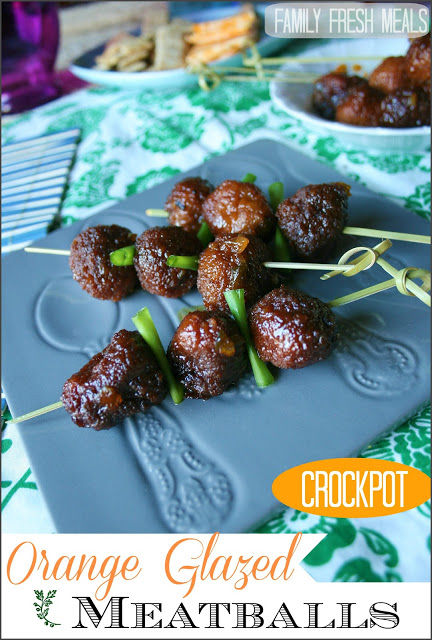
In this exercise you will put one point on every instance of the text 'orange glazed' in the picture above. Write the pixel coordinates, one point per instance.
(352, 487)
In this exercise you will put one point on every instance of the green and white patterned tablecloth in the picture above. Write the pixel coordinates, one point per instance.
(132, 141)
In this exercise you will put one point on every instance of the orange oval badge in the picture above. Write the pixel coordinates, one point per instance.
(352, 487)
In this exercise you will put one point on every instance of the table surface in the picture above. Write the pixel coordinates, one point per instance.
(132, 141)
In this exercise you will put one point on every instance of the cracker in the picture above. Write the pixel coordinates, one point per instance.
(205, 33)
(218, 50)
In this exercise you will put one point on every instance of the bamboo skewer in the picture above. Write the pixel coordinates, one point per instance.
(412, 287)
(400, 280)
(209, 78)
(56, 252)
(255, 64)
(313, 266)
(157, 213)
(363, 293)
(308, 60)
(358, 231)
(37, 412)
(351, 231)
(376, 251)
(391, 235)
(255, 58)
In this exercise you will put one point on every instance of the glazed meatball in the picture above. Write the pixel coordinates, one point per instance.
(313, 219)
(91, 266)
(401, 73)
(397, 94)
(239, 207)
(184, 203)
(153, 247)
(361, 107)
(291, 329)
(207, 354)
(120, 381)
(331, 90)
(390, 75)
(233, 262)
(409, 108)
(371, 108)
(418, 62)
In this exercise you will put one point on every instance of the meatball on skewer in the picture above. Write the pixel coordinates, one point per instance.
(184, 203)
(313, 219)
(333, 89)
(352, 100)
(233, 262)
(207, 354)
(411, 71)
(127, 377)
(291, 329)
(237, 207)
(153, 247)
(91, 266)
(120, 381)
(371, 108)
(397, 93)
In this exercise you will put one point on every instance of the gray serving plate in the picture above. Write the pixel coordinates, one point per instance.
(206, 466)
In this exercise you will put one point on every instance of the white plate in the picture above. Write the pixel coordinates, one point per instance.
(295, 99)
(173, 78)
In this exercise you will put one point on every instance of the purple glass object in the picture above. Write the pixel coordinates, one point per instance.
(30, 38)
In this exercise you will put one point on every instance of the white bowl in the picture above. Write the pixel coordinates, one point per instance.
(295, 99)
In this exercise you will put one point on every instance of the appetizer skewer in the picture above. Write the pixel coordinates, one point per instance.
(329, 195)
(310, 223)
(286, 327)
(207, 353)
(363, 232)
(209, 350)
(396, 94)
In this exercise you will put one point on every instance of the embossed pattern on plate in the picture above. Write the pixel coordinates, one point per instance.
(193, 493)
(205, 466)
(373, 364)
(62, 330)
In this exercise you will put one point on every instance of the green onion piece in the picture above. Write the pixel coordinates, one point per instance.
(183, 262)
(281, 250)
(249, 177)
(123, 257)
(235, 300)
(204, 234)
(276, 194)
(145, 325)
(281, 247)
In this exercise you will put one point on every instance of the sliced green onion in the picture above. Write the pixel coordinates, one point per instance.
(145, 325)
(281, 247)
(249, 177)
(204, 234)
(236, 303)
(183, 262)
(123, 257)
(276, 194)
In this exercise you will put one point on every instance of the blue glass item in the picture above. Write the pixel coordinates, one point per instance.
(30, 38)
